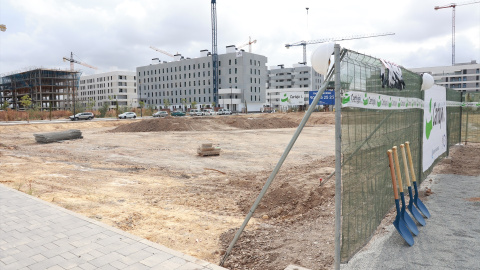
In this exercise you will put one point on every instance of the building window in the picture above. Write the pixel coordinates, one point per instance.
(230, 62)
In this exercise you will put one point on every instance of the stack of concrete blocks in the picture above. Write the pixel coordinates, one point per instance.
(207, 149)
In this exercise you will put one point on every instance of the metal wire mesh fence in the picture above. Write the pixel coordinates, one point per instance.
(367, 134)
(471, 117)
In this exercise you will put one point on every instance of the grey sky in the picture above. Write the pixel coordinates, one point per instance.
(116, 34)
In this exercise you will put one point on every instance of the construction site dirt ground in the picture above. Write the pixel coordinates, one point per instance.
(145, 177)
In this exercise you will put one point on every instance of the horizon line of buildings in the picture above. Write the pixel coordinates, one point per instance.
(244, 84)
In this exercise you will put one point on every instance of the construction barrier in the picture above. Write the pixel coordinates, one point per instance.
(377, 114)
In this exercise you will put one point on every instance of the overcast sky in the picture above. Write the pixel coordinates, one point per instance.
(116, 34)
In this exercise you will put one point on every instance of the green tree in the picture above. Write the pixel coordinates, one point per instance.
(166, 102)
(194, 104)
(5, 105)
(142, 104)
(213, 104)
(104, 109)
(184, 102)
(26, 102)
(90, 104)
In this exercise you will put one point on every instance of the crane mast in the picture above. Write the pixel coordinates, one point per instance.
(214, 51)
(71, 60)
(453, 5)
(249, 43)
(305, 43)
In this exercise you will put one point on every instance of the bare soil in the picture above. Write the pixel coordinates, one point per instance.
(144, 177)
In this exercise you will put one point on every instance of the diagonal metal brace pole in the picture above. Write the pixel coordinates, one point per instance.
(279, 165)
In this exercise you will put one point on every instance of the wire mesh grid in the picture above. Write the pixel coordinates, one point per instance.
(366, 136)
(471, 118)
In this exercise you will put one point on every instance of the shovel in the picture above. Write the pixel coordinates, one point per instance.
(411, 206)
(416, 200)
(399, 224)
(403, 214)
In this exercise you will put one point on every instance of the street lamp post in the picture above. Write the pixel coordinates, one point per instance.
(231, 101)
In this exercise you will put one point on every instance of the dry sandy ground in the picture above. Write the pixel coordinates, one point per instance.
(144, 176)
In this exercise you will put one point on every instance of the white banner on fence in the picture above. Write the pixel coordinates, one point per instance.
(292, 98)
(375, 101)
(435, 125)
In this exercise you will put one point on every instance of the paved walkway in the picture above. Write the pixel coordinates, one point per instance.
(449, 240)
(35, 234)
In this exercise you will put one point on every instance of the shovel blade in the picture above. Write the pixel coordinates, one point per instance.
(401, 227)
(423, 209)
(414, 210)
(406, 217)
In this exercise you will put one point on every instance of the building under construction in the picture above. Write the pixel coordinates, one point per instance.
(49, 89)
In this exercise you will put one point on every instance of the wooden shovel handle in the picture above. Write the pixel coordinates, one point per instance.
(392, 172)
(397, 167)
(405, 165)
(410, 162)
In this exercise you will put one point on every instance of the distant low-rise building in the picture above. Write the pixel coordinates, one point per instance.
(462, 76)
(187, 82)
(116, 87)
(296, 82)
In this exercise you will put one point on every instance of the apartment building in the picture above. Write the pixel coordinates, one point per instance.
(116, 87)
(296, 81)
(187, 82)
(462, 76)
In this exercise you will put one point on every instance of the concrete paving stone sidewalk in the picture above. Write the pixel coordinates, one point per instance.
(449, 240)
(35, 234)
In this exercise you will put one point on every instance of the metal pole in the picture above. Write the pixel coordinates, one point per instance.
(277, 167)
(338, 156)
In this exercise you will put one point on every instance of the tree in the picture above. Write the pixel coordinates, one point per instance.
(90, 104)
(5, 105)
(141, 103)
(26, 102)
(166, 102)
(213, 104)
(104, 109)
(184, 102)
(194, 104)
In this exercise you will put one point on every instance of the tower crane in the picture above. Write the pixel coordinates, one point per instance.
(214, 50)
(453, 5)
(249, 43)
(71, 60)
(305, 43)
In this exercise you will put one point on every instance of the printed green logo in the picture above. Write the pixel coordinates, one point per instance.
(429, 124)
(346, 99)
(379, 102)
(284, 99)
(390, 103)
(365, 101)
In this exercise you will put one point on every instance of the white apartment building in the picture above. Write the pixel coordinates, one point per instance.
(111, 87)
(462, 76)
(298, 79)
(185, 82)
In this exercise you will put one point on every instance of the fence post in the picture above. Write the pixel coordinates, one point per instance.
(338, 157)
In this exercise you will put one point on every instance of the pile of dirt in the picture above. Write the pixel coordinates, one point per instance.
(297, 218)
(255, 121)
(464, 160)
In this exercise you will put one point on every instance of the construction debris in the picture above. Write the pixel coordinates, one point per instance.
(207, 149)
(58, 136)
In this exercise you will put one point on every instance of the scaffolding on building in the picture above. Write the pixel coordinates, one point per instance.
(49, 89)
